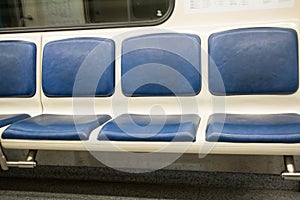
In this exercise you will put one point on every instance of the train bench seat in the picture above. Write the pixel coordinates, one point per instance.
(60, 67)
(165, 69)
(18, 82)
(257, 61)
(17, 77)
(156, 66)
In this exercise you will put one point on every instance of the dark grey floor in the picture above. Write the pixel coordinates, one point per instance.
(103, 183)
(53, 189)
(164, 192)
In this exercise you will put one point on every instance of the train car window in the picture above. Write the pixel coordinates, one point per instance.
(28, 14)
(9, 13)
(107, 11)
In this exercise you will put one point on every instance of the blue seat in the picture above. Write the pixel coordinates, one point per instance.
(165, 64)
(274, 128)
(159, 128)
(17, 69)
(17, 74)
(9, 119)
(252, 61)
(55, 127)
(79, 67)
(155, 65)
(85, 63)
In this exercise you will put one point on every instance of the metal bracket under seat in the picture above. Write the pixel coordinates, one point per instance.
(290, 172)
(29, 163)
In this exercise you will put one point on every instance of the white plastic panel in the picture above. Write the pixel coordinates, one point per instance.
(145, 147)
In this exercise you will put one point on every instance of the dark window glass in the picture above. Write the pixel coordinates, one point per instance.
(142, 9)
(69, 13)
(108, 11)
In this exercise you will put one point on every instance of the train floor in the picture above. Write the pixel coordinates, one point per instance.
(18, 184)
(53, 189)
(150, 192)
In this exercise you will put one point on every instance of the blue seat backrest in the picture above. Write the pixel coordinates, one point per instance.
(254, 61)
(166, 64)
(17, 69)
(79, 67)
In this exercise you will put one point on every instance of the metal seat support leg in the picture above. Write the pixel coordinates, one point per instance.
(3, 161)
(290, 172)
(29, 163)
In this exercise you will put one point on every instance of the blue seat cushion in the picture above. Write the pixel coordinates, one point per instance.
(253, 61)
(158, 128)
(275, 128)
(55, 127)
(80, 67)
(165, 64)
(9, 119)
(17, 69)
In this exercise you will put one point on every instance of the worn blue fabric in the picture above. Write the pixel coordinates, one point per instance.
(55, 127)
(166, 64)
(80, 67)
(275, 128)
(157, 128)
(253, 61)
(17, 69)
(9, 119)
